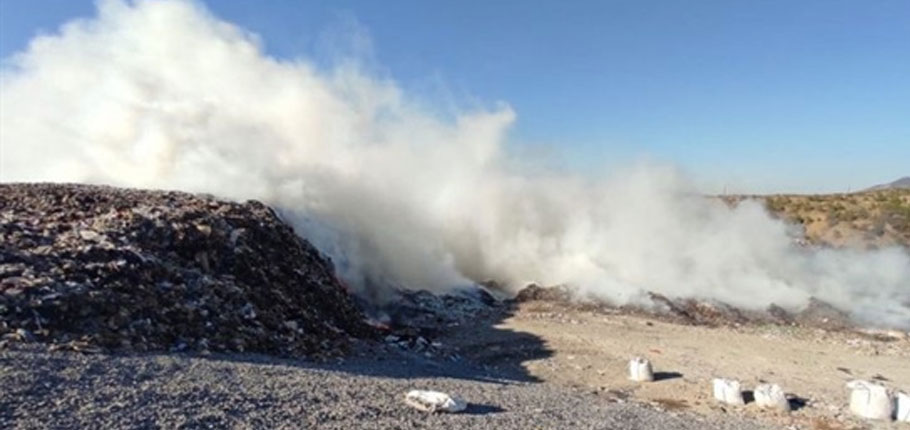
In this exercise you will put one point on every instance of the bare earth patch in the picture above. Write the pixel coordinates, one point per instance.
(590, 349)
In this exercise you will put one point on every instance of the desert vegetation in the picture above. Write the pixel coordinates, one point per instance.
(868, 219)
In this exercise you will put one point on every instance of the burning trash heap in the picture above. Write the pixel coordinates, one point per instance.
(91, 267)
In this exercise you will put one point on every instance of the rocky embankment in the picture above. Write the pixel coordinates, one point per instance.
(91, 267)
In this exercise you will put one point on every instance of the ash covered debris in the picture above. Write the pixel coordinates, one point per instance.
(534, 292)
(426, 312)
(89, 267)
(689, 311)
(416, 320)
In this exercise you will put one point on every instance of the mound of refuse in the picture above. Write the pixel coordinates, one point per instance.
(817, 313)
(94, 267)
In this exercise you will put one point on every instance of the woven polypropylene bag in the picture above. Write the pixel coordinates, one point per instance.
(728, 391)
(771, 396)
(434, 401)
(640, 370)
(903, 407)
(871, 401)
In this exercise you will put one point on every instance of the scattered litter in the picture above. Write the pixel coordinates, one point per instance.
(885, 334)
(728, 391)
(878, 377)
(870, 400)
(412, 320)
(640, 370)
(903, 407)
(771, 396)
(425, 312)
(434, 401)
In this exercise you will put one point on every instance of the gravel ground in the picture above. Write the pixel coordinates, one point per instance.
(66, 389)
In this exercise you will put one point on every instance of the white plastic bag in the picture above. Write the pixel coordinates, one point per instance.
(640, 370)
(771, 396)
(870, 400)
(903, 407)
(434, 401)
(728, 391)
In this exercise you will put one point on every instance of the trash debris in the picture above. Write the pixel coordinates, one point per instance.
(428, 312)
(534, 292)
(870, 400)
(903, 407)
(771, 396)
(887, 335)
(819, 313)
(434, 401)
(92, 267)
(412, 320)
(728, 391)
(640, 370)
(711, 313)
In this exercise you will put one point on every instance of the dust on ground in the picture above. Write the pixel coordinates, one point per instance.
(589, 349)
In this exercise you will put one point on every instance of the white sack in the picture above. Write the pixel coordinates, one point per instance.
(903, 407)
(434, 401)
(870, 400)
(728, 391)
(640, 370)
(771, 396)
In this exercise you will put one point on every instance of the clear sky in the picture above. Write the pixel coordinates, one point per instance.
(763, 96)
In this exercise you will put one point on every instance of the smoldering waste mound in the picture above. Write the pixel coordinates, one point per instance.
(91, 267)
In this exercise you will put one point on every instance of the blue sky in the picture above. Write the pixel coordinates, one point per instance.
(762, 96)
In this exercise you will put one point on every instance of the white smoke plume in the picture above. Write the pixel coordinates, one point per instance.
(164, 95)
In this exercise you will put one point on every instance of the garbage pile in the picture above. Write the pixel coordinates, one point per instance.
(98, 268)
(424, 312)
(688, 311)
(416, 320)
(534, 292)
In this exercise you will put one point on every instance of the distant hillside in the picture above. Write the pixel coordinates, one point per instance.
(868, 219)
(902, 183)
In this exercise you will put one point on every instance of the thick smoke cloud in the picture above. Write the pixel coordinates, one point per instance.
(164, 95)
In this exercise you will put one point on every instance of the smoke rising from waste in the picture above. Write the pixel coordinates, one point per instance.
(165, 95)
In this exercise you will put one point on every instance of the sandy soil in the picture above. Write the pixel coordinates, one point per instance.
(591, 349)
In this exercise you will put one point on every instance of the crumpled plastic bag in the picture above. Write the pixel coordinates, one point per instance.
(903, 407)
(728, 391)
(434, 401)
(871, 401)
(771, 396)
(640, 370)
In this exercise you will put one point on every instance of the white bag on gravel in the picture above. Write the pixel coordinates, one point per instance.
(640, 370)
(728, 391)
(871, 401)
(434, 401)
(771, 396)
(903, 407)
